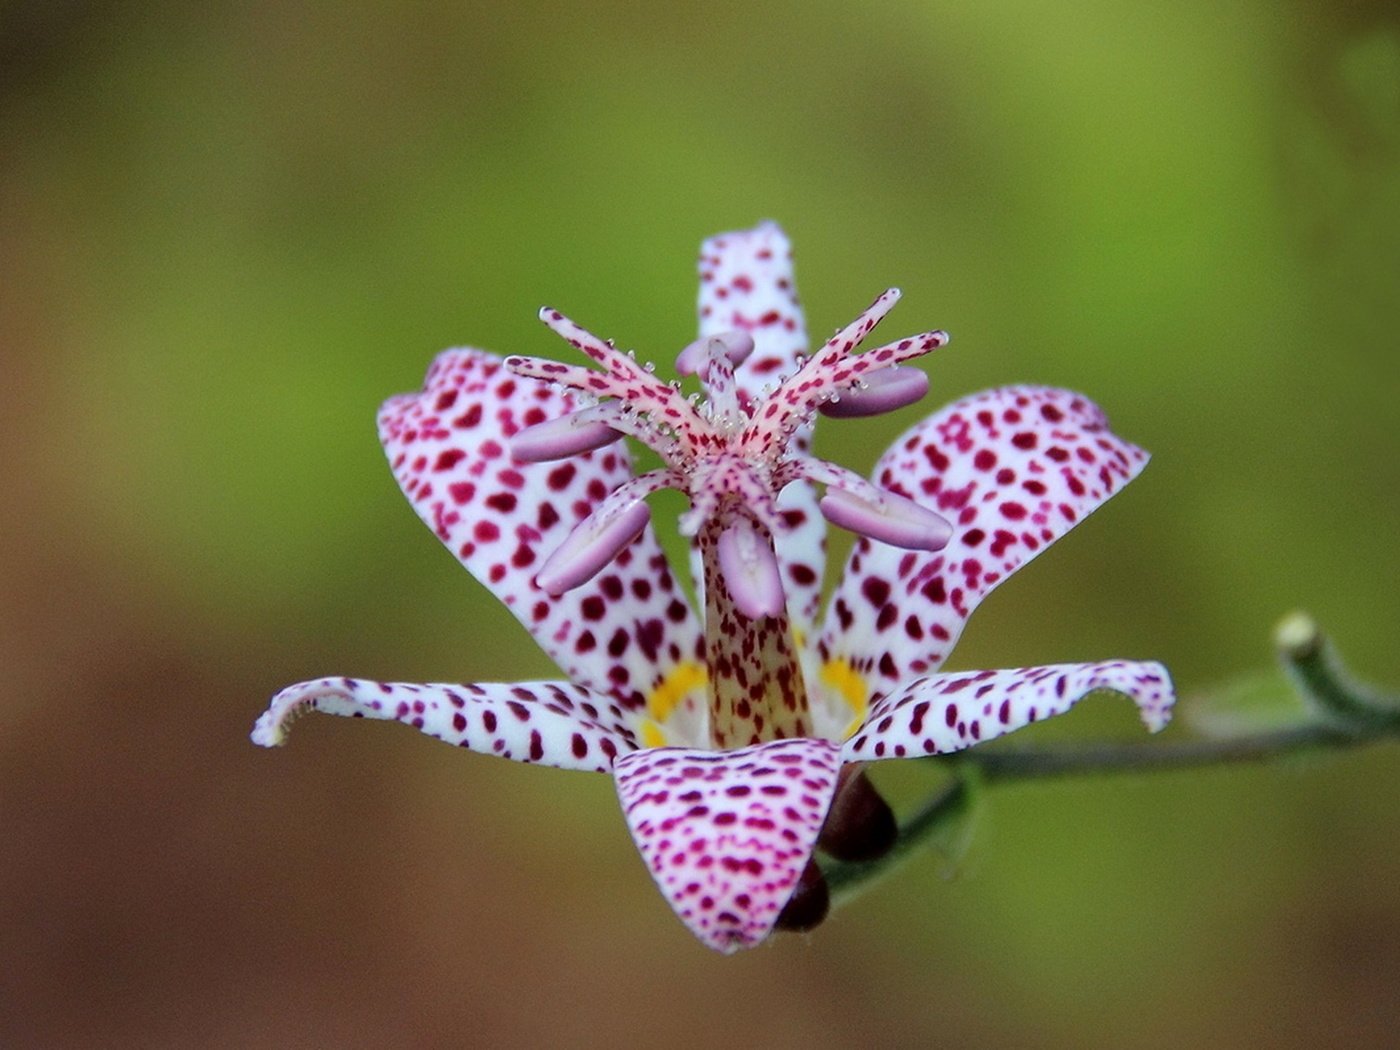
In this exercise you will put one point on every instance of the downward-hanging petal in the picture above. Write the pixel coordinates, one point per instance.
(547, 723)
(727, 834)
(747, 285)
(1013, 469)
(623, 632)
(948, 712)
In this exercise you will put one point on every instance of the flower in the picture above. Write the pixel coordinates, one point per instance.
(728, 734)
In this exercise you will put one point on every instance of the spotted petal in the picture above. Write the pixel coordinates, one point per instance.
(620, 634)
(547, 723)
(948, 712)
(727, 834)
(746, 284)
(1013, 469)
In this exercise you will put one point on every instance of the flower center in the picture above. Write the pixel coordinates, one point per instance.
(731, 454)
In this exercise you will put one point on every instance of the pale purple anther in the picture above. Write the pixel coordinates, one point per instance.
(750, 570)
(595, 541)
(736, 346)
(882, 391)
(894, 520)
(560, 438)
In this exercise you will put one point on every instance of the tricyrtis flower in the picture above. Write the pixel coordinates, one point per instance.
(729, 732)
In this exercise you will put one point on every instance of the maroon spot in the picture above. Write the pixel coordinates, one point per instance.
(470, 418)
(561, 475)
(1014, 511)
(1026, 440)
(985, 459)
(593, 607)
(937, 460)
(935, 591)
(449, 458)
(579, 745)
(461, 491)
(649, 637)
(446, 400)
(876, 591)
(486, 531)
(502, 501)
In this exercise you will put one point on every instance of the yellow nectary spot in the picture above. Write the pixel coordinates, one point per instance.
(664, 698)
(850, 686)
(652, 736)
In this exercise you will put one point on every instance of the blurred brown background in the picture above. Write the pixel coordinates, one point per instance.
(227, 231)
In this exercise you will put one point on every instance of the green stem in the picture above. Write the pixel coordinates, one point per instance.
(1347, 713)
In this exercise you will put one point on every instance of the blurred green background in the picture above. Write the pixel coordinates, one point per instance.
(227, 231)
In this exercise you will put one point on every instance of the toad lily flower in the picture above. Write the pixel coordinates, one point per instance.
(727, 732)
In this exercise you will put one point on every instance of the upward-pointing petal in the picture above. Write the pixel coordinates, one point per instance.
(621, 633)
(747, 285)
(727, 834)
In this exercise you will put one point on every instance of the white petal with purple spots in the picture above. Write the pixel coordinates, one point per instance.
(547, 723)
(623, 631)
(948, 712)
(1013, 469)
(727, 834)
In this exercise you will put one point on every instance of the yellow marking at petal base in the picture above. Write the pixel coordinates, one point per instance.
(799, 638)
(652, 736)
(842, 677)
(664, 698)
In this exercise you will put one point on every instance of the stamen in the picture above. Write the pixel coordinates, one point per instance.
(894, 520)
(831, 372)
(560, 438)
(750, 570)
(881, 391)
(736, 346)
(600, 537)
